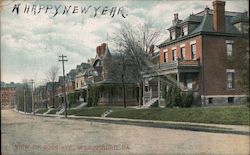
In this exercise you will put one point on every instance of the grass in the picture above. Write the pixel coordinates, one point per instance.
(234, 115)
(237, 115)
(41, 111)
(54, 111)
(91, 111)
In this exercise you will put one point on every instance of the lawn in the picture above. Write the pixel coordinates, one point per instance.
(91, 111)
(237, 115)
(41, 111)
(54, 111)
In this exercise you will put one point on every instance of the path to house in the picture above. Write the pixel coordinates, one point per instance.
(26, 134)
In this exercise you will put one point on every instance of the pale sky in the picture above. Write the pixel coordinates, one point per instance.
(31, 44)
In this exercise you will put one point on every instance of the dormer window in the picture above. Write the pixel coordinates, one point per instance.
(185, 31)
(173, 35)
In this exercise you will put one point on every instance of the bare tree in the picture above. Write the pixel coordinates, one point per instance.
(136, 41)
(52, 76)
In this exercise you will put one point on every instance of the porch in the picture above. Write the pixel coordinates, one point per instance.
(185, 74)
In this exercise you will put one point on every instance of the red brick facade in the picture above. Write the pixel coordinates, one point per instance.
(187, 43)
(215, 65)
(7, 97)
(216, 37)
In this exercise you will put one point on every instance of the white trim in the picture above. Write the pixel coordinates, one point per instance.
(230, 70)
(173, 48)
(229, 41)
(182, 45)
(192, 42)
(165, 50)
(214, 96)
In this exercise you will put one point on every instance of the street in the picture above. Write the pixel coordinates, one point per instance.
(26, 134)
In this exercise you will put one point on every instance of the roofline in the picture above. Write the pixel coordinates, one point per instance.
(201, 33)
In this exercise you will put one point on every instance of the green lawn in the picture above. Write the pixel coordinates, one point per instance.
(238, 115)
(41, 111)
(54, 111)
(92, 111)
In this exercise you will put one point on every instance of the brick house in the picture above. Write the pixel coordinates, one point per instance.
(197, 55)
(8, 91)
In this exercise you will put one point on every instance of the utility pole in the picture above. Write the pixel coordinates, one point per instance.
(62, 58)
(24, 103)
(32, 97)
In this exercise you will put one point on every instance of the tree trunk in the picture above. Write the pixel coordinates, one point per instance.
(124, 92)
(140, 93)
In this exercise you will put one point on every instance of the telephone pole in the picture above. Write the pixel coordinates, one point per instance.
(32, 97)
(24, 102)
(62, 59)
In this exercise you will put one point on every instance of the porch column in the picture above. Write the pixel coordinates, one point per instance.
(143, 98)
(159, 89)
(87, 94)
(178, 79)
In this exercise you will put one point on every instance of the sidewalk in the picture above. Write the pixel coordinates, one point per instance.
(202, 127)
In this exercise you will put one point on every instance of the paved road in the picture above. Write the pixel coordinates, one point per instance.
(26, 135)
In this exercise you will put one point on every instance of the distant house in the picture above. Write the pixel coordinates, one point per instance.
(80, 92)
(40, 97)
(51, 88)
(8, 91)
(197, 54)
(107, 76)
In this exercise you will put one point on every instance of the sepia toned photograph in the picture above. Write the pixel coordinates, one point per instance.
(123, 77)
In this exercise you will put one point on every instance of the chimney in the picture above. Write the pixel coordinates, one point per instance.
(103, 46)
(98, 51)
(176, 16)
(219, 16)
(175, 19)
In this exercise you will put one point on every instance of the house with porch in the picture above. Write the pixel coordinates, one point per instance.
(196, 57)
(107, 76)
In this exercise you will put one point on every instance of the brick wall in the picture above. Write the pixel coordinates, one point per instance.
(215, 64)
(178, 49)
(7, 96)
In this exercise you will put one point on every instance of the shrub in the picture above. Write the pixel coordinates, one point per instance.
(94, 96)
(187, 99)
(173, 97)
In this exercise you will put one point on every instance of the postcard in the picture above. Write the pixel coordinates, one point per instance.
(124, 77)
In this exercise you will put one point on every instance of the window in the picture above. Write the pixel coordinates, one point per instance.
(173, 35)
(210, 100)
(229, 44)
(230, 99)
(183, 53)
(166, 56)
(230, 78)
(193, 51)
(229, 49)
(174, 56)
(185, 31)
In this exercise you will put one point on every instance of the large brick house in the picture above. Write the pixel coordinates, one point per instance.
(197, 55)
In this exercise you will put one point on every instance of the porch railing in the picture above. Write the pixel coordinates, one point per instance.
(173, 65)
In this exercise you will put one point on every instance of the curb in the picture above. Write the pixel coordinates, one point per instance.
(199, 127)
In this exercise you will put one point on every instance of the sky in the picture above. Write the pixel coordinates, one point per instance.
(31, 43)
